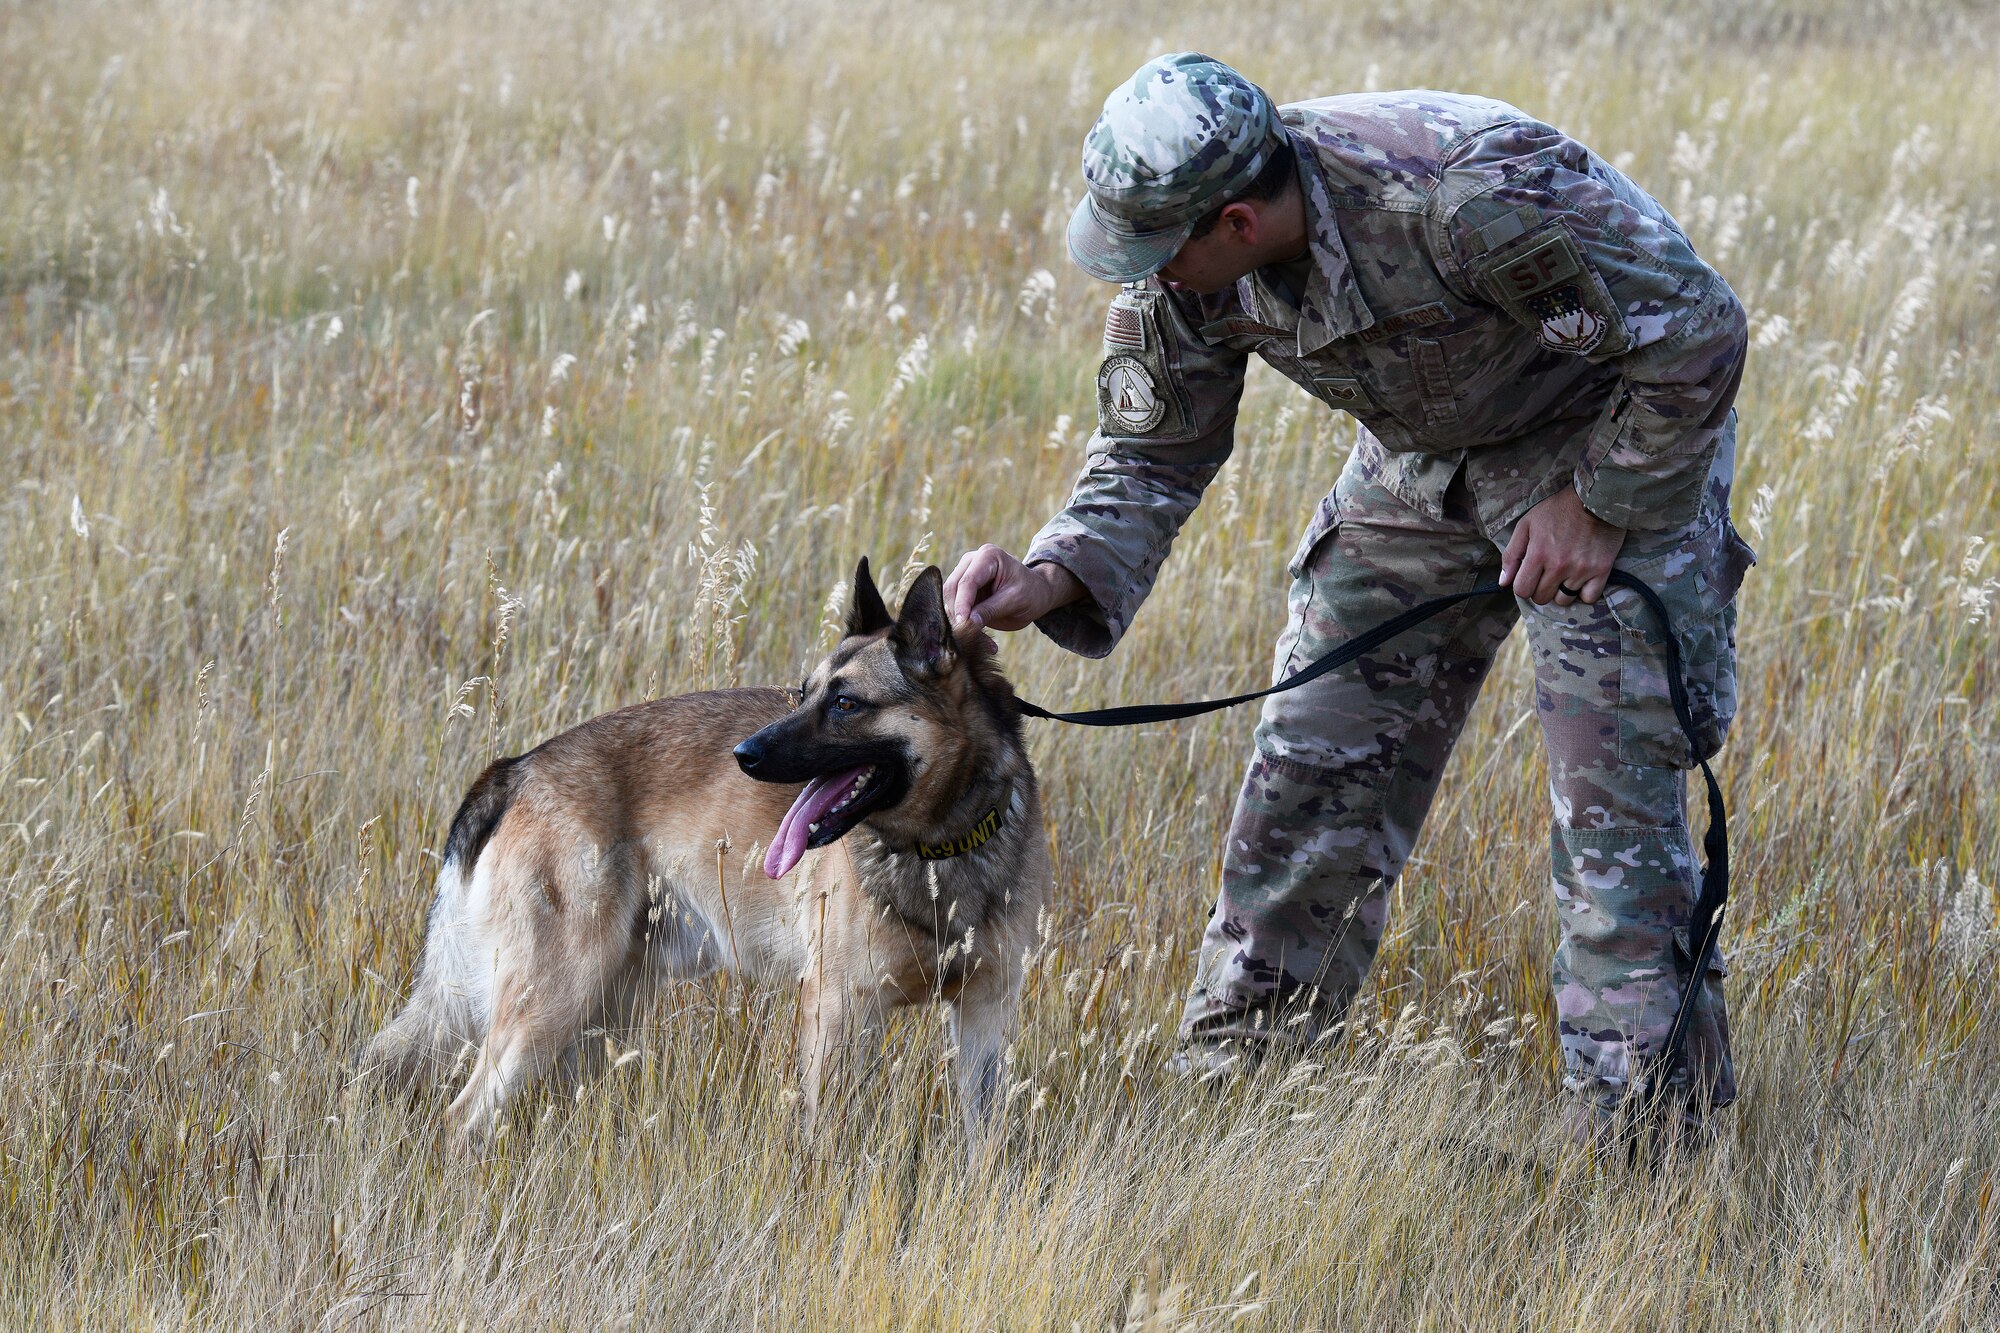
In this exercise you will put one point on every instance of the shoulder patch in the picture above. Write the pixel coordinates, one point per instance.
(1124, 325)
(1543, 280)
(1128, 397)
(1566, 323)
(1139, 389)
(1542, 265)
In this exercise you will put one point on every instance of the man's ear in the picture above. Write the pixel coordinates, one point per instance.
(1243, 221)
(923, 639)
(867, 614)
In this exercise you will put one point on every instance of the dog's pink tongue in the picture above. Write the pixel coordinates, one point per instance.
(789, 843)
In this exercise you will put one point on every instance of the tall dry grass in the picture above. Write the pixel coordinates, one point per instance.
(385, 387)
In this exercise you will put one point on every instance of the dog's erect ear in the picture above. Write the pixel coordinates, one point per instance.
(867, 615)
(924, 644)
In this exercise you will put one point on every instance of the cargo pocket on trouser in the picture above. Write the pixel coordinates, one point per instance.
(1697, 581)
(1324, 520)
(1301, 570)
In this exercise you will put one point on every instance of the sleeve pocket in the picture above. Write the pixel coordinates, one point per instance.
(1544, 281)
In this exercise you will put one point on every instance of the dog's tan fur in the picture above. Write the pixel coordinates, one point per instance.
(631, 847)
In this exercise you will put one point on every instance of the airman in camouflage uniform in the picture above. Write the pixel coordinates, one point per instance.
(1506, 315)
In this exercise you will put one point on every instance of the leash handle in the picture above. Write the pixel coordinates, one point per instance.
(1693, 948)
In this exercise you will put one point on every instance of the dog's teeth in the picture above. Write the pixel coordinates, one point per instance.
(812, 828)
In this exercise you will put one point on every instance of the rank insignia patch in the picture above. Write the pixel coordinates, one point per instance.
(1340, 391)
(1566, 323)
(1129, 397)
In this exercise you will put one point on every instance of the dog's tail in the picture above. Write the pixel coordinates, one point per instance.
(451, 1003)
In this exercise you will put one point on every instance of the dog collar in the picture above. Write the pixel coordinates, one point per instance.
(978, 836)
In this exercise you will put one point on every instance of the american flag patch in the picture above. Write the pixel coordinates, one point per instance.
(1124, 328)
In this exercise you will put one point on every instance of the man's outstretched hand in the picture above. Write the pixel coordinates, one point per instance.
(990, 589)
(1559, 543)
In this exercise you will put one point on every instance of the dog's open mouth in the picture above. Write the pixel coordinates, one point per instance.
(829, 806)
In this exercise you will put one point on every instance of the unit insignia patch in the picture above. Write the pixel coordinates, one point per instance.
(1566, 323)
(1127, 393)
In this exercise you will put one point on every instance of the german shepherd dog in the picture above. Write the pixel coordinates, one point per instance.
(874, 839)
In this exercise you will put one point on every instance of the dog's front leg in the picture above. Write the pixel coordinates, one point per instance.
(836, 1021)
(818, 1016)
(982, 1023)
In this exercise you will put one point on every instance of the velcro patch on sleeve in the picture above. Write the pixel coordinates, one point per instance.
(1505, 228)
(1128, 396)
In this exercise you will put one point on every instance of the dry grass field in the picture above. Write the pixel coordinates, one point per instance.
(384, 387)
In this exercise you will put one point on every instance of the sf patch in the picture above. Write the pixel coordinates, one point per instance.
(1543, 281)
(1128, 397)
(1544, 262)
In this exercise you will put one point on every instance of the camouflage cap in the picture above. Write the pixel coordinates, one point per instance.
(1182, 135)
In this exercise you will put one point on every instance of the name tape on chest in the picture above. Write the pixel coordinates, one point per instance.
(1419, 317)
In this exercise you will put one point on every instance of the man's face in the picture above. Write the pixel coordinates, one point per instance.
(1213, 263)
(1207, 265)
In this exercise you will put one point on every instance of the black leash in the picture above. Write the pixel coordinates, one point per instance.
(1694, 946)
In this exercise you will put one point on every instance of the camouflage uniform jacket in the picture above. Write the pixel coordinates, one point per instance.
(1485, 292)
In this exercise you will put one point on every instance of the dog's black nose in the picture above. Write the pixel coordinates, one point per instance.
(749, 754)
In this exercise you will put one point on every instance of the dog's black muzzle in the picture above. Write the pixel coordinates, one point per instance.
(780, 753)
(753, 753)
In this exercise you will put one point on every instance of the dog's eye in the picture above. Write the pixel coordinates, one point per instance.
(845, 703)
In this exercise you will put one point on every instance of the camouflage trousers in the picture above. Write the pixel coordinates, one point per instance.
(1345, 770)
